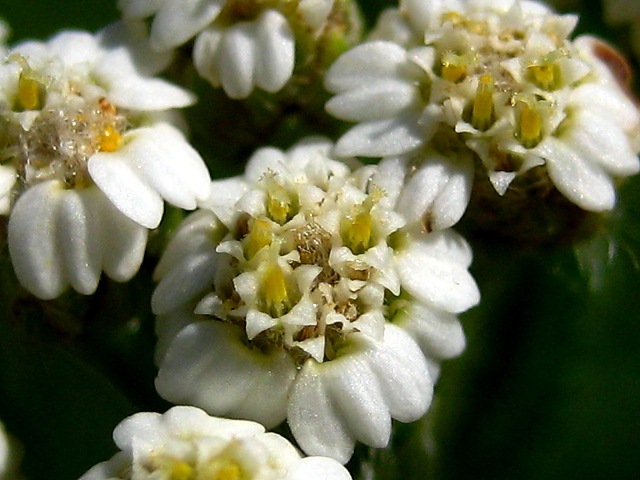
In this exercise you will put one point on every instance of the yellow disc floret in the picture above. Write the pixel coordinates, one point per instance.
(274, 291)
(530, 131)
(260, 235)
(482, 113)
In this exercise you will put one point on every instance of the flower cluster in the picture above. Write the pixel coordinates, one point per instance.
(88, 153)
(320, 292)
(243, 44)
(185, 443)
(496, 81)
(313, 289)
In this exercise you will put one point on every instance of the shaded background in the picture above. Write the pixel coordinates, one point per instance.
(549, 387)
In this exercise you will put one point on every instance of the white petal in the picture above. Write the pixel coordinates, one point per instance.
(381, 138)
(205, 52)
(167, 162)
(374, 101)
(8, 177)
(601, 142)
(223, 195)
(208, 365)
(582, 182)
(237, 60)
(79, 238)
(317, 468)
(123, 242)
(314, 422)
(114, 175)
(187, 279)
(402, 373)
(367, 63)
(355, 394)
(436, 279)
(139, 93)
(607, 102)
(32, 240)
(75, 47)
(438, 192)
(196, 234)
(438, 333)
(275, 55)
(176, 23)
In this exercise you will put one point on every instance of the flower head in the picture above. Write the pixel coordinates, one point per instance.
(243, 44)
(185, 443)
(315, 293)
(87, 156)
(500, 80)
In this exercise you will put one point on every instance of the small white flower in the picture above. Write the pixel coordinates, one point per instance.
(239, 44)
(88, 158)
(498, 79)
(317, 289)
(185, 443)
(619, 12)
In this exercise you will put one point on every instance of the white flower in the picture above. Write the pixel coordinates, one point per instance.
(618, 12)
(317, 289)
(499, 79)
(239, 44)
(88, 158)
(185, 443)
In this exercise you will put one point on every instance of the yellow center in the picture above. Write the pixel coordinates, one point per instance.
(358, 233)
(230, 471)
(29, 93)
(259, 236)
(454, 68)
(279, 205)
(109, 139)
(530, 126)
(545, 75)
(482, 113)
(274, 291)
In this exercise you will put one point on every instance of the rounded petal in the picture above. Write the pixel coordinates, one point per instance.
(237, 60)
(114, 175)
(374, 101)
(578, 179)
(123, 242)
(434, 270)
(175, 23)
(382, 138)
(33, 244)
(365, 64)
(275, 51)
(79, 238)
(208, 365)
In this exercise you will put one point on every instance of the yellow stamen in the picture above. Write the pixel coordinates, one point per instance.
(181, 471)
(274, 291)
(29, 93)
(109, 139)
(482, 113)
(358, 233)
(279, 205)
(545, 75)
(259, 236)
(454, 67)
(530, 126)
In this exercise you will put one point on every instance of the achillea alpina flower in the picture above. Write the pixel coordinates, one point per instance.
(87, 157)
(243, 44)
(185, 443)
(319, 292)
(499, 79)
